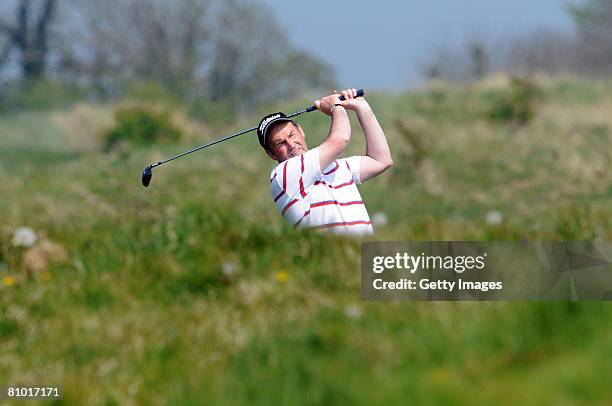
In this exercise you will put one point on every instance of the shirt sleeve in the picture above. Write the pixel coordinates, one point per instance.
(295, 175)
(354, 164)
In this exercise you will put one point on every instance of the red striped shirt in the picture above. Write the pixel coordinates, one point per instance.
(335, 199)
(285, 177)
(332, 170)
(302, 191)
(300, 220)
(328, 202)
(289, 205)
(279, 195)
(344, 184)
(341, 224)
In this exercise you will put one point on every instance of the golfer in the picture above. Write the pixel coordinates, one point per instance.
(316, 188)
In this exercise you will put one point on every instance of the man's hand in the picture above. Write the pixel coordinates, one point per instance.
(352, 102)
(326, 103)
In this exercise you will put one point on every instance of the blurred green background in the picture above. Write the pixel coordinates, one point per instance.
(194, 291)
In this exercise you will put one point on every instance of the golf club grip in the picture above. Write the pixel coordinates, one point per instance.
(360, 93)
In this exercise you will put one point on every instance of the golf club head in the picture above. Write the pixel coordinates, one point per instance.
(147, 174)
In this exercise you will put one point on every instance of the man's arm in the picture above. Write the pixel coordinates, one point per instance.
(340, 130)
(378, 156)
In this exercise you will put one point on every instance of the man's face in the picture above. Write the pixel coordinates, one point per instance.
(286, 141)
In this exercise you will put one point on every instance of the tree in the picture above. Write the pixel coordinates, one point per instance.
(479, 59)
(593, 20)
(231, 51)
(253, 61)
(449, 65)
(29, 35)
(542, 50)
(109, 44)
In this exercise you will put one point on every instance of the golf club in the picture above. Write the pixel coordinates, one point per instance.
(147, 174)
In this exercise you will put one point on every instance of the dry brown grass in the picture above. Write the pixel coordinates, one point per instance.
(83, 124)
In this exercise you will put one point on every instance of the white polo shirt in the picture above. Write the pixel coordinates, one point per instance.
(310, 198)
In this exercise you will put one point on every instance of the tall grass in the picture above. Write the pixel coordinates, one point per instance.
(194, 291)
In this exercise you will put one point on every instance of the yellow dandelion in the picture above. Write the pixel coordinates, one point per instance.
(440, 375)
(45, 276)
(282, 276)
(8, 281)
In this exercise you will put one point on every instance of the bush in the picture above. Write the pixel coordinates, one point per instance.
(517, 105)
(38, 95)
(139, 126)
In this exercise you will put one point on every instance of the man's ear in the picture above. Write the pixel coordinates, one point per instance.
(271, 155)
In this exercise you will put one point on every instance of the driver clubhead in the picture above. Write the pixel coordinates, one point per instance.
(147, 174)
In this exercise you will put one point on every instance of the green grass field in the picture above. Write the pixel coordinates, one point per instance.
(193, 291)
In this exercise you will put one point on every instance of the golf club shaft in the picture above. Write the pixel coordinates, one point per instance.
(204, 146)
(360, 93)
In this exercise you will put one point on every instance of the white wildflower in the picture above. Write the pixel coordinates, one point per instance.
(353, 311)
(380, 219)
(230, 268)
(494, 217)
(24, 237)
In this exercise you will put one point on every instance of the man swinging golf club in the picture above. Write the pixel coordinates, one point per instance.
(316, 188)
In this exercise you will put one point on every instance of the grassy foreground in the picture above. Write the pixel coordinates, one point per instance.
(194, 291)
